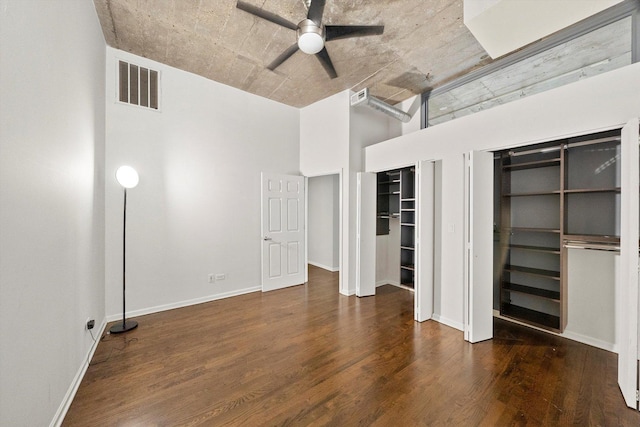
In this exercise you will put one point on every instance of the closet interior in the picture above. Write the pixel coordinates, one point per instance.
(396, 227)
(552, 196)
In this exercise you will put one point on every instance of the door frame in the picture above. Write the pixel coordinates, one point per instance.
(422, 286)
(340, 223)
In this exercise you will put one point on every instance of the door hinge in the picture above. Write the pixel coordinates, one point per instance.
(637, 395)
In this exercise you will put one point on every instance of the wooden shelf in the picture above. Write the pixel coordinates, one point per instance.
(591, 238)
(533, 193)
(536, 318)
(533, 165)
(542, 293)
(533, 317)
(395, 181)
(533, 230)
(535, 248)
(592, 190)
(551, 274)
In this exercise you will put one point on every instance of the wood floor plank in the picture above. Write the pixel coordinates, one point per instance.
(309, 356)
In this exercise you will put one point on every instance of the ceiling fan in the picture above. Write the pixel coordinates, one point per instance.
(312, 34)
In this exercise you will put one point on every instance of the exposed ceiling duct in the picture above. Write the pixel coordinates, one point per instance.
(362, 97)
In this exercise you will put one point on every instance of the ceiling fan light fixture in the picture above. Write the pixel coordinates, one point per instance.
(310, 37)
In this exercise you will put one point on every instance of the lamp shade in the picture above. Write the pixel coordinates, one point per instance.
(127, 176)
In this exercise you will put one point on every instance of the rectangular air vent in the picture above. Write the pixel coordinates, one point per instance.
(137, 85)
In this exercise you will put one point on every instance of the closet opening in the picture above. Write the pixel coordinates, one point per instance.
(396, 228)
(323, 227)
(557, 236)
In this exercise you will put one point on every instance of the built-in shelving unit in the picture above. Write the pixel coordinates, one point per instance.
(388, 200)
(407, 227)
(567, 190)
(396, 200)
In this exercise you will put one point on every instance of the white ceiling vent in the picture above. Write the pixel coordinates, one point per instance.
(138, 85)
(362, 97)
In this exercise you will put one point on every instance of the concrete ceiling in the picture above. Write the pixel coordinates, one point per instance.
(424, 45)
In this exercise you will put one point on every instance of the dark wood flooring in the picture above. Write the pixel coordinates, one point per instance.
(310, 356)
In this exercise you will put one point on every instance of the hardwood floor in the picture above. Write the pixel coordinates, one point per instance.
(309, 356)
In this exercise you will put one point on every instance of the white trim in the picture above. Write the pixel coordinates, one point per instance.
(573, 336)
(593, 342)
(448, 322)
(58, 418)
(186, 303)
(387, 282)
(324, 267)
(348, 293)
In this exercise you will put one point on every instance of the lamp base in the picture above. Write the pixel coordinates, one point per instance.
(120, 327)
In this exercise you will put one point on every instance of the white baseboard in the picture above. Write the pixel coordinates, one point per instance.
(593, 342)
(452, 323)
(180, 304)
(574, 336)
(324, 267)
(75, 384)
(387, 282)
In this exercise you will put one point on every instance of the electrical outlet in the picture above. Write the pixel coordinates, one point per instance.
(90, 323)
(212, 278)
(221, 276)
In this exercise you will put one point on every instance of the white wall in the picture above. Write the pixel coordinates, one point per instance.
(332, 136)
(324, 222)
(196, 210)
(51, 202)
(324, 149)
(593, 104)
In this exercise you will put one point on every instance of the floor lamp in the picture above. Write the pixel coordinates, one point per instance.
(128, 178)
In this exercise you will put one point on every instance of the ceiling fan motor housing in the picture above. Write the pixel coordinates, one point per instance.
(310, 36)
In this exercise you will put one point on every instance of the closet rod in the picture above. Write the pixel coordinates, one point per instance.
(592, 141)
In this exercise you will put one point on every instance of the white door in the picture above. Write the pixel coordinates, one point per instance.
(628, 346)
(366, 235)
(478, 269)
(283, 231)
(425, 201)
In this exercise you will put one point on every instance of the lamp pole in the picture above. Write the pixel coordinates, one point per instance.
(128, 178)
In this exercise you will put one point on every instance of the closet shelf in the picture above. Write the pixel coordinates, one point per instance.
(592, 238)
(534, 164)
(408, 248)
(532, 230)
(593, 190)
(538, 292)
(408, 267)
(536, 318)
(535, 248)
(533, 193)
(408, 224)
(552, 274)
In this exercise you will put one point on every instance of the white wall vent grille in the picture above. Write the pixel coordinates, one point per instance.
(138, 85)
